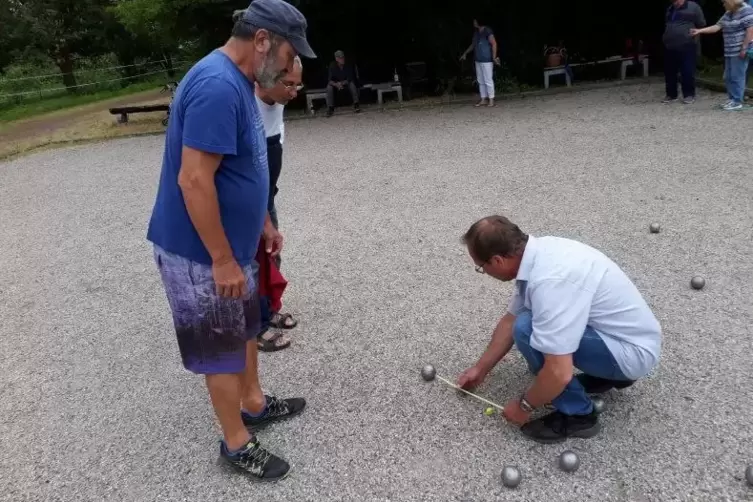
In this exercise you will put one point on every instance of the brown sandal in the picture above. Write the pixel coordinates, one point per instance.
(272, 341)
(282, 321)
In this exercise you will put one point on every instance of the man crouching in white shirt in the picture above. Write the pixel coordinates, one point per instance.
(271, 103)
(572, 307)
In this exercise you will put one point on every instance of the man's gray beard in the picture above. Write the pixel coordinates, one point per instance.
(266, 76)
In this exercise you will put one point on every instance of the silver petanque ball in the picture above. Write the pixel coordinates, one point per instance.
(598, 405)
(697, 282)
(749, 475)
(428, 372)
(654, 228)
(569, 461)
(511, 476)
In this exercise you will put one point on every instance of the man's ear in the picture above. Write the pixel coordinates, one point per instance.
(496, 260)
(262, 43)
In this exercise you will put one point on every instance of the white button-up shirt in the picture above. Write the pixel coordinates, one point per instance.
(568, 285)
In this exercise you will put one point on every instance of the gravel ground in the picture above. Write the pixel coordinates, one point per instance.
(94, 403)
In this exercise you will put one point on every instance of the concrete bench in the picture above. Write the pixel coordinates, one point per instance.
(557, 70)
(388, 87)
(381, 90)
(642, 60)
(624, 63)
(313, 94)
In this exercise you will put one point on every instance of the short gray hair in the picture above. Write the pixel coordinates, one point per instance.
(244, 30)
(297, 62)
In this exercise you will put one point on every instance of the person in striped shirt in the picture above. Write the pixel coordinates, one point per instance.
(736, 26)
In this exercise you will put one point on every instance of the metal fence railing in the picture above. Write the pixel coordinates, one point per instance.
(17, 89)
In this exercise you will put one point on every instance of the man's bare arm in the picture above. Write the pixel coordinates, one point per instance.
(196, 181)
(715, 28)
(493, 42)
(551, 380)
(500, 344)
(746, 41)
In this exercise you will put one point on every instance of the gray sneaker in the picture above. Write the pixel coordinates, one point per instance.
(732, 106)
(689, 101)
(669, 100)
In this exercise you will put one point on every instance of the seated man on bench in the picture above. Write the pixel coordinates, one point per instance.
(341, 76)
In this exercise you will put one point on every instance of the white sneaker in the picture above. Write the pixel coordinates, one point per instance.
(732, 106)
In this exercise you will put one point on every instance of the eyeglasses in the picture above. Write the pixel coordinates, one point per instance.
(292, 87)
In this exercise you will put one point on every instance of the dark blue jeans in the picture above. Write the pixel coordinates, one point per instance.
(592, 358)
(683, 61)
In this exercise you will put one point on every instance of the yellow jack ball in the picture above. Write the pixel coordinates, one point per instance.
(489, 412)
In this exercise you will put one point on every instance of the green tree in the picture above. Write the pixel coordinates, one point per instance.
(10, 35)
(61, 29)
(169, 24)
(153, 21)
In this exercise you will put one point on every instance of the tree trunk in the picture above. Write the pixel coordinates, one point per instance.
(169, 65)
(64, 61)
(128, 70)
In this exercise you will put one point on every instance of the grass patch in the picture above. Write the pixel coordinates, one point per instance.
(715, 73)
(42, 106)
(711, 69)
(92, 127)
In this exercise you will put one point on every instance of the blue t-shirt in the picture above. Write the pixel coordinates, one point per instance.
(214, 110)
(482, 48)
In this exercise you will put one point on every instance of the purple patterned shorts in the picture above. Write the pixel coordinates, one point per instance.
(212, 331)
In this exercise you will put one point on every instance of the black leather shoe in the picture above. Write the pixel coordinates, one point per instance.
(556, 427)
(596, 385)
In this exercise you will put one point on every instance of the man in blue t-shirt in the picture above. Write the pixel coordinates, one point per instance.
(210, 215)
(484, 47)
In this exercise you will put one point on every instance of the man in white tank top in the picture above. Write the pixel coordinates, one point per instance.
(271, 103)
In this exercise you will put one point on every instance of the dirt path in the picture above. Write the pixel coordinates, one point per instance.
(47, 124)
(86, 122)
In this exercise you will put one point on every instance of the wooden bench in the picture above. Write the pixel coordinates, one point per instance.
(124, 111)
(624, 63)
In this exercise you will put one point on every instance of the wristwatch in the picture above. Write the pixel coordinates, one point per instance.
(525, 405)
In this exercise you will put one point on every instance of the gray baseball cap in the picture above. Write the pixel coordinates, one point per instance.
(339, 54)
(283, 19)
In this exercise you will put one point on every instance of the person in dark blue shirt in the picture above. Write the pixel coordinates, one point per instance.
(680, 49)
(210, 215)
(341, 76)
(484, 48)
